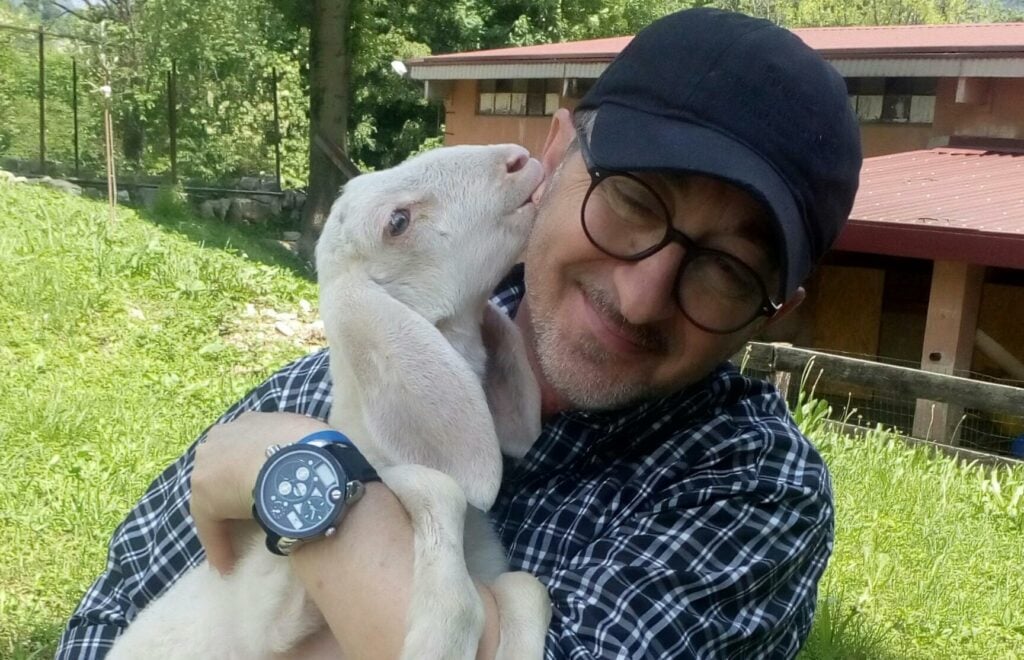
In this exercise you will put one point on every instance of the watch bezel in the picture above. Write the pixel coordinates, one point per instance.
(337, 507)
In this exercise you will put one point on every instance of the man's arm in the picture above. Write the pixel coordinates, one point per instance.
(361, 578)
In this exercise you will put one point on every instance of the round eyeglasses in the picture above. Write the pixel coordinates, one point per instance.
(625, 218)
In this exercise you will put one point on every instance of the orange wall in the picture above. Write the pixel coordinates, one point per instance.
(464, 126)
(1001, 116)
(847, 308)
(883, 139)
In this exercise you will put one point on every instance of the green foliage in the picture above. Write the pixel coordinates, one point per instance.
(19, 89)
(226, 52)
(170, 202)
(1001, 496)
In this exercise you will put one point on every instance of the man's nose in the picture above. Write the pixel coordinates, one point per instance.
(646, 289)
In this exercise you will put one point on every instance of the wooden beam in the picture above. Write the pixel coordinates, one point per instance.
(895, 381)
(973, 91)
(948, 341)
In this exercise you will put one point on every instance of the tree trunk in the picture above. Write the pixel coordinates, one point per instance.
(330, 64)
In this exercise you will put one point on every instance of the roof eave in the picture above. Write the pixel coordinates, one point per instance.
(1000, 250)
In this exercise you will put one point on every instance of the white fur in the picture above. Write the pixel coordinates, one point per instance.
(403, 316)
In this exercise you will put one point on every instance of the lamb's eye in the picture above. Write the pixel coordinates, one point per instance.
(398, 222)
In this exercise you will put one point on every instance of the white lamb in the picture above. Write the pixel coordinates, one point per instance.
(406, 262)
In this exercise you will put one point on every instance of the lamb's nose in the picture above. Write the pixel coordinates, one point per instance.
(516, 162)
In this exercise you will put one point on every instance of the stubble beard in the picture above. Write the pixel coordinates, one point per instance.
(579, 369)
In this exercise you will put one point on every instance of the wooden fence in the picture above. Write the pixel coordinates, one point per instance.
(786, 365)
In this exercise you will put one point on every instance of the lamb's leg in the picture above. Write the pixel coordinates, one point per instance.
(525, 613)
(259, 609)
(513, 395)
(524, 608)
(446, 617)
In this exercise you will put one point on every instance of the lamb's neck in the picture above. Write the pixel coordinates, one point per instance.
(463, 332)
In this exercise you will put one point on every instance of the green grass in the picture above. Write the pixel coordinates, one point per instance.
(929, 560)
(120, 342)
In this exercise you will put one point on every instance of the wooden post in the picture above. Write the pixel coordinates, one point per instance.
(948, 342)
(172, 117)
(42, 105)
(108, 139)
(74, 111)
(277, 131)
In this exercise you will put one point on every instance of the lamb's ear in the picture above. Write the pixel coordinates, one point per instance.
(512, 391)
(422, 401)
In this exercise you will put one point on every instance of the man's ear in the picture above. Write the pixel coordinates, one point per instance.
(794, 301)
(560, 136)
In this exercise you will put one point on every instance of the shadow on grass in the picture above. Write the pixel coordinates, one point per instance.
(257, 243)
(40, 643)
(840, 632)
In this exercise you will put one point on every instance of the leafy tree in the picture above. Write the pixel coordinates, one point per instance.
(330, 65)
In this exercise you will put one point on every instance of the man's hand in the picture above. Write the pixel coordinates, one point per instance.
(225, 471)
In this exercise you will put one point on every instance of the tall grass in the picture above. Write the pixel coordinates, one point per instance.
(929, 555)
(118, 345)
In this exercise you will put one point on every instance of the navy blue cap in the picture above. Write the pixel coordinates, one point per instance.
(743, 100)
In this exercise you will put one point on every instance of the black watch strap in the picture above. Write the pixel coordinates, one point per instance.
(356, 466)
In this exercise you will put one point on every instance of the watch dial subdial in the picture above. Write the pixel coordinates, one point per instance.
(315, 509)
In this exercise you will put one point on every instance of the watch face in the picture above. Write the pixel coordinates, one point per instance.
(294, 491)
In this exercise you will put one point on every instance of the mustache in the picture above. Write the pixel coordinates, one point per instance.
(646, 337)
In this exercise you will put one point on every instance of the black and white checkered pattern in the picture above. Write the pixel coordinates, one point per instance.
(696, 526)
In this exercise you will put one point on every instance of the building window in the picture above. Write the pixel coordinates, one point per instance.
(892, 100)
(518, 96)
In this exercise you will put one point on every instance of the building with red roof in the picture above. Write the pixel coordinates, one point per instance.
(932, 260)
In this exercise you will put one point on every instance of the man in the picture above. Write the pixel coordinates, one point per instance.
(670, 505)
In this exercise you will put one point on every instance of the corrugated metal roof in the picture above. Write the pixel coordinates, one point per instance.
(928, 66)
(969, 189)
(961, 39)
(502, 69)
(593, 49)
(942, 203)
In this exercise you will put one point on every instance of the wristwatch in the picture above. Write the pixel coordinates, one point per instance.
(304, 489)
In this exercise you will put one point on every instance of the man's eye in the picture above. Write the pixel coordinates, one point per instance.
(727, 276)
(633, 201)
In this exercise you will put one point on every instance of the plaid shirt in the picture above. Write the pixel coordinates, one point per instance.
(695, 526)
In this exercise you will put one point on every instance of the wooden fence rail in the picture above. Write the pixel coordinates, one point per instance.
(897, 381)
(782, 361)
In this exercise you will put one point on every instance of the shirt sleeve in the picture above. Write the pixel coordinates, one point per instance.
(157, 543)
(728, 571)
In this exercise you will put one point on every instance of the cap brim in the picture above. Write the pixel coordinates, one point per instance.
(626, 139)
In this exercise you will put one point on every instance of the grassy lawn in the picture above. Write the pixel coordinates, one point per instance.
(929, 556)
(120, 342)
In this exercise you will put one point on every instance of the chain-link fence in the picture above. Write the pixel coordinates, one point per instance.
(183, 125)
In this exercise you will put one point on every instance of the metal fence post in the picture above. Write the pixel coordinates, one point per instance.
(172, 117)
(277, 130)
(74, 110)
(42, 105)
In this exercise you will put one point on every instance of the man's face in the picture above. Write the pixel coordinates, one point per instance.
(608, 332)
